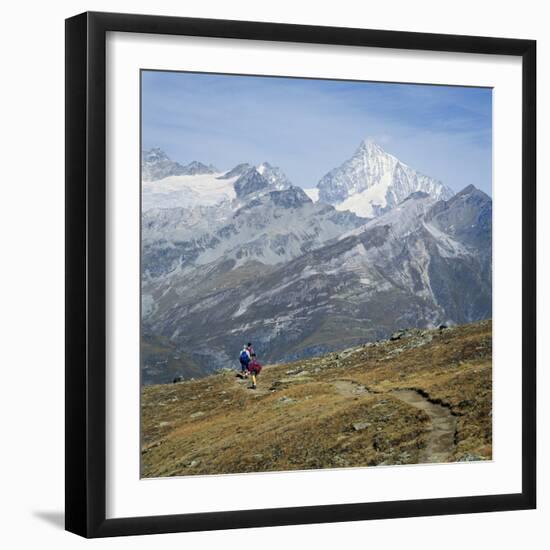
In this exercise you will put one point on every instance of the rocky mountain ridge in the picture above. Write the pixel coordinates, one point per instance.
(156, 165)
(249, 256)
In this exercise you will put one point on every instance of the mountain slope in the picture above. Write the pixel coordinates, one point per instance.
(229, 257)
(420, 264)
(261, 224)
(375, 404)
(373, 181)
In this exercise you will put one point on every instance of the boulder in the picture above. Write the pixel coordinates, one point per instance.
(358, 426)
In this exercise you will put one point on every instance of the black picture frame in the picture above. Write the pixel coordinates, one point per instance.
(86, 274)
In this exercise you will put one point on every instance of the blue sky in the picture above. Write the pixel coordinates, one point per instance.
(307, 127)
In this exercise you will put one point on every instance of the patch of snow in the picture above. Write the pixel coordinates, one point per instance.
(448, 247)
(367, 202)
(243, 306)
(403, 219)
(308, 272)
(187, 191)
(312, 193)
(241, 328)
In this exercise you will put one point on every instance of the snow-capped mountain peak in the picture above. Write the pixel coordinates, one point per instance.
(263, 166)
(374, 181)
(369, 147)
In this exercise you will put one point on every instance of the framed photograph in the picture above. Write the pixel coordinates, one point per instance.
(300, 274)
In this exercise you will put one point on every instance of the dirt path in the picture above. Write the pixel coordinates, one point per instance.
(441, 435)
(245, 383)
(441, 438)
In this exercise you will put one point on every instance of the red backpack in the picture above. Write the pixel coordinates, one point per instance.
(255, 367)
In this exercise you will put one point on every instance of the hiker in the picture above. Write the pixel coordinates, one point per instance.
(254, 368)
(250, 349)
(244, 359)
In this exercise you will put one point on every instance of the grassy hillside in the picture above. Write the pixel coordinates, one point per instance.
(423, 397)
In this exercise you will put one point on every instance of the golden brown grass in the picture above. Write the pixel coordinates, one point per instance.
(338, 410)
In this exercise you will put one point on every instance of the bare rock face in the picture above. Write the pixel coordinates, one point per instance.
(274, 175)
(238, 170)
(250, 182)
(300, 278)
(229, 257)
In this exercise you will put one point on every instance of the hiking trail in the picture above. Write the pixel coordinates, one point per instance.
(441, 437)
(244, 384)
